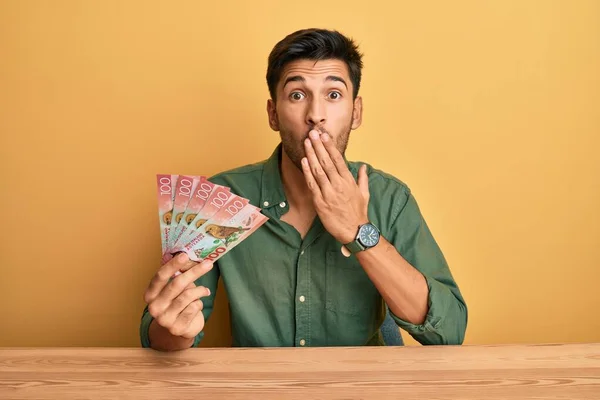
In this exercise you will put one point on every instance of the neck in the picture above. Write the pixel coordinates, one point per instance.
(294, 185)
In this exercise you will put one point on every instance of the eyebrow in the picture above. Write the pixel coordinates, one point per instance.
(298, 78)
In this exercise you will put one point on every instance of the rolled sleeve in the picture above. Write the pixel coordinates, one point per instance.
(446, 319)
(443, 323)
(145, 327)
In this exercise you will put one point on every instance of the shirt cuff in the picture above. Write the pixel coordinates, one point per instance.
(144, 327)
(431, 331)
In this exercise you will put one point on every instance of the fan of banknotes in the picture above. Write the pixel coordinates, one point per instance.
(202, 219)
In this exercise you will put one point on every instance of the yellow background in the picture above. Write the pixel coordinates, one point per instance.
(488, 110)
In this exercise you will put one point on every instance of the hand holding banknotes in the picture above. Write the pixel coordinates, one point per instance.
(199, 223)
(176, 303)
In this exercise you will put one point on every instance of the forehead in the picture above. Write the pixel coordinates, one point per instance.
(315, 70)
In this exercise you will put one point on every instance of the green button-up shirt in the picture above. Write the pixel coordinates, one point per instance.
(287, 291)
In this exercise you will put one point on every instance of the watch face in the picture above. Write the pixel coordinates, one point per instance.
(368, 235)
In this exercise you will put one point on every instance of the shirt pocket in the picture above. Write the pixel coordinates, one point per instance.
(348, 288)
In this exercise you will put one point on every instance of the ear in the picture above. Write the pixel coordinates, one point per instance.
(357, 112)
(272, 114)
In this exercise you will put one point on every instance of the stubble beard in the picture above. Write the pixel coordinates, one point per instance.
(295, 149)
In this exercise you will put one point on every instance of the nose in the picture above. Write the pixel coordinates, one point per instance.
(316, 113)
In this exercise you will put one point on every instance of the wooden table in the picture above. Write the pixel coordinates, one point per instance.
(446, 372)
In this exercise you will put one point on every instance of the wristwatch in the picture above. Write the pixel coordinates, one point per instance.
(368, 236)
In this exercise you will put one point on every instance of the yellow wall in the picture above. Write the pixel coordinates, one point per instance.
(490, 111)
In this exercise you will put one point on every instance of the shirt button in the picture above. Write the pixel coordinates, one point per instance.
(282, 204)
(302, 342)
(302, 298)
(266, 204)
(302, 253)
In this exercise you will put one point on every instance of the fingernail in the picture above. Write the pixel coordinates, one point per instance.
(305, 161)
(325, 137)
(208, 291)
(307, 142)
(314, 134)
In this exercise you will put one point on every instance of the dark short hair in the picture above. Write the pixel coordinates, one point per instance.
(314, 44)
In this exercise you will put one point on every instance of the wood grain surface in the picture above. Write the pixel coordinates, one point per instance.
(562, 371)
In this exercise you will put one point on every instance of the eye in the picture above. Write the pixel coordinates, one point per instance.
(335, 95)
(296, 96)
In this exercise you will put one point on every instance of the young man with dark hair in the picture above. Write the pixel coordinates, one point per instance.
(343, 244)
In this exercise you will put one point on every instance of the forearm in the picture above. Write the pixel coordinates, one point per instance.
(161, 339)
(403, 288)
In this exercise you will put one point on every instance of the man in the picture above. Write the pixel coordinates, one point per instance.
(343, 240)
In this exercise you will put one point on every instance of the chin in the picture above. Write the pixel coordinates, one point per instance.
(294, 156)
(297, 161)
(298, 164)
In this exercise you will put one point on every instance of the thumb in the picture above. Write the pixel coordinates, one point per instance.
(363, 181)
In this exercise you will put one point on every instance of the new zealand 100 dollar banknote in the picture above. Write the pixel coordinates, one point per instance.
(225, 230)
(184, 190)
(165, 185)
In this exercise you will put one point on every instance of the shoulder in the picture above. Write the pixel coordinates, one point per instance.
(389, 195)
(241, 172)
(244, 180)
(382, 182)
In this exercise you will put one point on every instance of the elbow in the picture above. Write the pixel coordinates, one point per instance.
(458, 337)
(454, 327)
